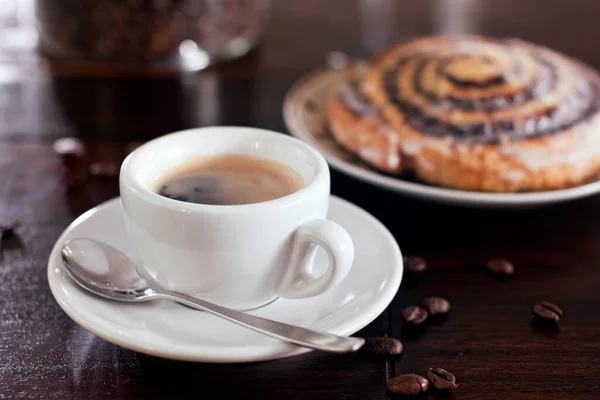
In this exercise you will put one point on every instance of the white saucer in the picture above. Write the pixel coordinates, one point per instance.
(169, 330)
(308, 124)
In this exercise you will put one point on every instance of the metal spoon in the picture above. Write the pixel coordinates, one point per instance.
(107, 272)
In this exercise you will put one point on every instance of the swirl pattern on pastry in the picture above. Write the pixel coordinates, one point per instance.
(472, 94)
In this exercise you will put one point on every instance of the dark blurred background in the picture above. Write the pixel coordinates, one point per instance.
(245, 91)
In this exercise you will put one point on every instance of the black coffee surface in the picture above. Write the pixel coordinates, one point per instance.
(230, 180)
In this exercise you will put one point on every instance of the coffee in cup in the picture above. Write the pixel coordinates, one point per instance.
(230, 179)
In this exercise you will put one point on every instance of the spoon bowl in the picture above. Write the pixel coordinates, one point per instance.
(107, 272)
(104, 270)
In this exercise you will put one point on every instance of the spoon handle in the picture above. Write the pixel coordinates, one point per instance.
(301, 336)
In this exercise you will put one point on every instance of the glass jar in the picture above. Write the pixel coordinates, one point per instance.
(184, 34)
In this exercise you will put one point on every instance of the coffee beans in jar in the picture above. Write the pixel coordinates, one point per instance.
(148, 30)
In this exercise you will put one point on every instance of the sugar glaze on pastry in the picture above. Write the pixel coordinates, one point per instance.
(473, 113)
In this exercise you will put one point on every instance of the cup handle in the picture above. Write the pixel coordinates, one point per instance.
(298, 280)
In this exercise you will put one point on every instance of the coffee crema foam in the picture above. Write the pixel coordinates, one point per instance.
(229, 179)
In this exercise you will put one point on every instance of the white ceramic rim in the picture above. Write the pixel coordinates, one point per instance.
(321, 174)
(98, 327)
(312, 82)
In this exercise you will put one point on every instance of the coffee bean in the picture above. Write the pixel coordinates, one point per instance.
(414, 314)
(382, 346)
(407, 385)
(436, 305)
(547, 311)
(69, 146)
(103, 170)
(500, 267)
(415, 264)
(72, 155)
(441, 379)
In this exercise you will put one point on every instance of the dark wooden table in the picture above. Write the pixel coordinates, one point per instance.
(488, 340)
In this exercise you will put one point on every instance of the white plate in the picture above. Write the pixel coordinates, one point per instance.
(167, 329)
(308, 124)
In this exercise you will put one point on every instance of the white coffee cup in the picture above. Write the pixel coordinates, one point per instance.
(239, 256)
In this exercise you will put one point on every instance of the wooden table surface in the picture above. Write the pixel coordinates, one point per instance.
(487, 341)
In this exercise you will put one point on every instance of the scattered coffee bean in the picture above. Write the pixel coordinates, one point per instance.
(382, 346)
(407, 385)
(436, 305)
(72, 154)
(415, 264)
(500, 267)
(414, 314)
(441, 379)
(103, 170)
(547, 311)
(69, 146)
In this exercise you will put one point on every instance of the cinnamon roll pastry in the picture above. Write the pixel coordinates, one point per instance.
(473, 113)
